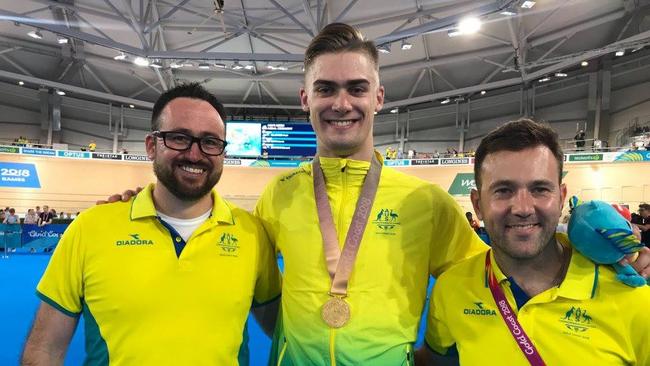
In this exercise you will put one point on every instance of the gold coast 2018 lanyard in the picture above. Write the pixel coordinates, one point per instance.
(336, 311)
(510, 318)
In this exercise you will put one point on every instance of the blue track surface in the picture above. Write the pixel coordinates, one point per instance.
(19, 275)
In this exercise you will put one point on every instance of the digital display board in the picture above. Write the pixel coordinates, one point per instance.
(288, 139)
(244, 139)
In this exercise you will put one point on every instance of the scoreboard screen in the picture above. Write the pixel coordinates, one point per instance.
(243, 140)
(288, 139)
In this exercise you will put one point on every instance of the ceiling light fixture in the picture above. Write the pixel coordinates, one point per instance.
(584, 64)
(406, 45)
(282, 67)
(205, 66)
(384, 48)
(237, 66)
(35, 34)
(131, 106)
(62, 40)
(60, 92)
(219, 65)
(21, 83)
(483, 92)
(249, 67)
(120, 57)
(509, 12)
(141, 61)
(175, 65)
(445, 101)
(561, 74)
(620, 53)
(544, 79)
(156, 64)
(469, 25)
(394, 110)
(528, 4)
(269, 66)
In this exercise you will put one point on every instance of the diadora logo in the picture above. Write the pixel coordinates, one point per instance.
(577, 320)
(229, 245)
(386, 220)
(291, 175)
(134, 240)
(479, 310)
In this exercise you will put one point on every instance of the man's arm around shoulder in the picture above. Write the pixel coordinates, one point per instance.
(49, 338)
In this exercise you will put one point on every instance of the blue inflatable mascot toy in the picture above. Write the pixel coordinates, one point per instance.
(603, 235)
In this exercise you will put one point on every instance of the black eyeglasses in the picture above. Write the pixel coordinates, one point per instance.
(180, 141)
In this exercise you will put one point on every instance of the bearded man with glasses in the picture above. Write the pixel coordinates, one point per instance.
(168, 277)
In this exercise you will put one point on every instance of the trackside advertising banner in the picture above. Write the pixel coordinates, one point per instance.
(46, 236)
(578, 158)
(19, 175)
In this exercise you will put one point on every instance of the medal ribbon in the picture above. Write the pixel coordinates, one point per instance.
(340, 263)
(510, 318)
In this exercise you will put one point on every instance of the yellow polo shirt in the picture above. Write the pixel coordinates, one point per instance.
(590, 319)
(415, 229)
(117, 265)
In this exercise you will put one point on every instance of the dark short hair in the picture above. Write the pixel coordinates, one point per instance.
(518, 135)
(189, 90)
(340, 37)
(644, 206)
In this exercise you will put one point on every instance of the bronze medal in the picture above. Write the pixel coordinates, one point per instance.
(335, 312)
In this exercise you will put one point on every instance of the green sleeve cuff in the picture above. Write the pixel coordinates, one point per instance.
(58, 307)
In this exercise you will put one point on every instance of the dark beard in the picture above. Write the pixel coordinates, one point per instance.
(183, 192)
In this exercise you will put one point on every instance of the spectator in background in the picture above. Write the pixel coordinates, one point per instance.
(30, 217)
(68, 216)
(580, 140)
(2, 215)
(389, 153)
(473, 223)
(642, 221)
(92, 146)
(11, 218)
(45, 218)
(38, 210)
(20, 141)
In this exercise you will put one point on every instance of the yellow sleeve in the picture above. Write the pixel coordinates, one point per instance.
(62, 283)
(640, 328)
(261, 211)
(454, 239)
(437, 335)
(268, 285)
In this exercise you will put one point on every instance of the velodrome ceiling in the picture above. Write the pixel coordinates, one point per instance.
(208, 41)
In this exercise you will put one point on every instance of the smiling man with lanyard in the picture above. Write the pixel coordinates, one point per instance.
(532, 299)
(359, 242)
